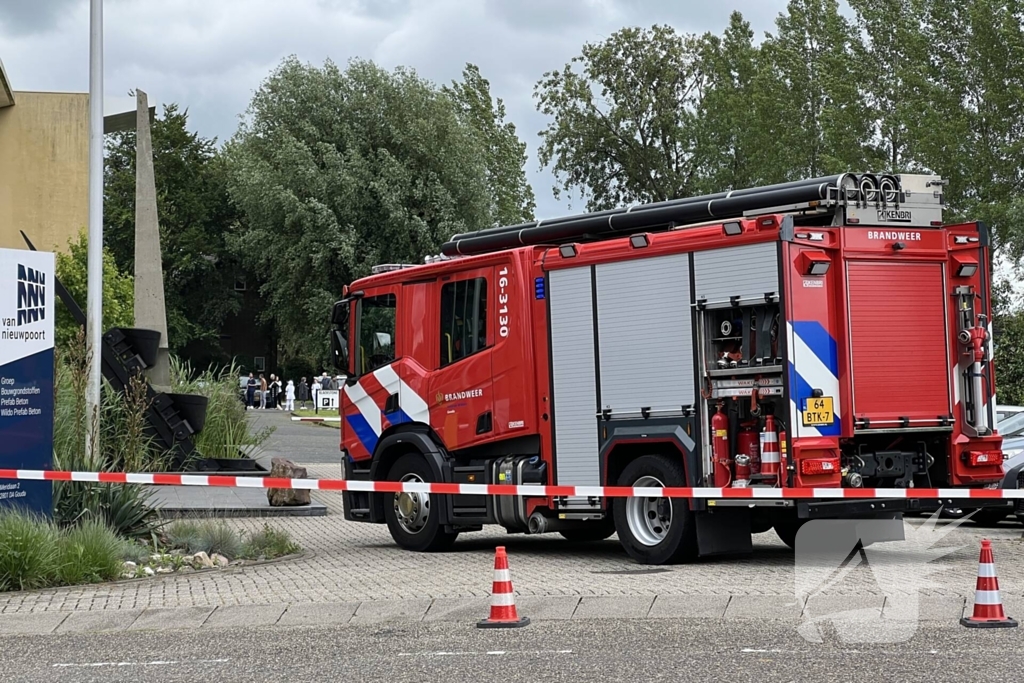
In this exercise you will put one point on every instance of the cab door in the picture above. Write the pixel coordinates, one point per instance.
(369, 398)
(461, 392)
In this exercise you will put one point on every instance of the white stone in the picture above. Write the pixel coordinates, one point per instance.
(148, 571)
(164, 570)
(130, 566)
(219, 560)
(201, 560)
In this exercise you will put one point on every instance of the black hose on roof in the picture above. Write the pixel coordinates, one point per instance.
(590, 226)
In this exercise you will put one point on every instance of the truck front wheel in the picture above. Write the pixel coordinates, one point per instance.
(414, 518)
(655, 530)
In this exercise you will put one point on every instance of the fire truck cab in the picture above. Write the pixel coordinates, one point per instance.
(823, 333)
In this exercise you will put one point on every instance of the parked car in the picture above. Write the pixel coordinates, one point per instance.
(1011, 428)
(1005, 412)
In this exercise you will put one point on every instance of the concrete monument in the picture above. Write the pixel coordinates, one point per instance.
(150, 312)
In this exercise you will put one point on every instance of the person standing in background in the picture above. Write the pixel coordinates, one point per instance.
(316, 393)
(263, 392)
(250, 391)
(272, 401)
(302, 392)
(289, 396)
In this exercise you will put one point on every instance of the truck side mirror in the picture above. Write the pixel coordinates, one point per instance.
(339, 352)
(339, 314)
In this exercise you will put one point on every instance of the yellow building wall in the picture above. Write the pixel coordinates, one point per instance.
(44, 169)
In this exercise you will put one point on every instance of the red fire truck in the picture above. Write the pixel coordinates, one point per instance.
(822, 333)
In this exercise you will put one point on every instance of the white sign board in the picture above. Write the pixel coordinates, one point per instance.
(327, 399)
(26, 374)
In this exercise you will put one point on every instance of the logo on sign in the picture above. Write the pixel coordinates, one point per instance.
(894, 216)
(31, 295)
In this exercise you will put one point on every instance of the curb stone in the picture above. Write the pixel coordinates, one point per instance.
(373, 613)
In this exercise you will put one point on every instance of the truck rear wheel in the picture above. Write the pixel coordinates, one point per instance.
(594, 531)
(990, 516)
(786, 528)
(413, 518)
(655, 530)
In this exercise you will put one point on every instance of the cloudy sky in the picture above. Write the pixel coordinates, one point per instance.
(209, 55)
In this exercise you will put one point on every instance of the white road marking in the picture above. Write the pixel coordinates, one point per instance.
(492, 653)
(159, 662)
(754, 650)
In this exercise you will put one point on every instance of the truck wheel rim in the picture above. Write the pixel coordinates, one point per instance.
(412, 509)
(649, 519)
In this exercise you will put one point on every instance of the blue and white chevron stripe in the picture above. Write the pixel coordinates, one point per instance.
(813, 364)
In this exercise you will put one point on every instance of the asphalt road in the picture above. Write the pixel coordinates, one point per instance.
(303, 442)
(596, 650)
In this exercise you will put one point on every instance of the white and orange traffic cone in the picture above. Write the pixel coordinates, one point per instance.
(503, 599)
(988, 608)
(771, 462)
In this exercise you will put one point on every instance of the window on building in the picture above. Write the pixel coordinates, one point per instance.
(376, 332)
(239, 284)
(463, 319)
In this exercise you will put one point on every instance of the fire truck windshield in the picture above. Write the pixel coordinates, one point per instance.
(376, 332)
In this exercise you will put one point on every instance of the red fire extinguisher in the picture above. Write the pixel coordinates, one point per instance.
(722, 470)
(748, 443)
(771, 463)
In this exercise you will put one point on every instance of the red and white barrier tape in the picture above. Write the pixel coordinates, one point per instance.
(499, 489)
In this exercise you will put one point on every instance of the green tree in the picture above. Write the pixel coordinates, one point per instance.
(118, 290)
(735, 112)
(974, 124)
(512, 199)
(895, 57)
(337, 170)
(813, 68)
(195, 215)
(1008, 343)
(626, 118)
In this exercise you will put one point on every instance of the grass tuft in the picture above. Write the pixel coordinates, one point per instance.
(88, 553)
(182, 534)
(268, 543)
(28, 545)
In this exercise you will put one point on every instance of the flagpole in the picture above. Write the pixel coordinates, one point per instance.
(94, 297)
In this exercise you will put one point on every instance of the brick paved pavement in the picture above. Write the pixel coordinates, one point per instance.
(348, 562)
